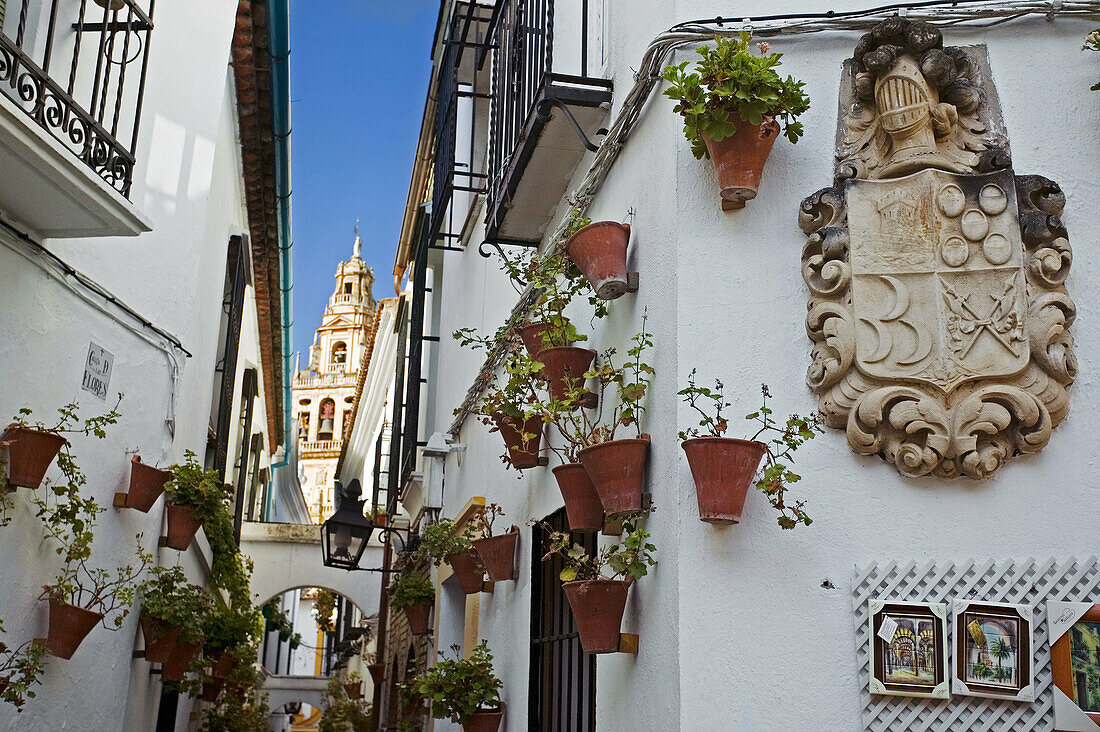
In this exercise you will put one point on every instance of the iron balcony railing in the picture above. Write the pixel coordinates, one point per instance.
(523, 71)
(77, 68)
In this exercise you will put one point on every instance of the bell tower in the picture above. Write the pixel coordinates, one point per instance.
(324, 393)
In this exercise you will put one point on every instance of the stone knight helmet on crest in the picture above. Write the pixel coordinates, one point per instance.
(938, 310)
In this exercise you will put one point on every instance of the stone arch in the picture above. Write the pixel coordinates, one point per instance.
(288, 556)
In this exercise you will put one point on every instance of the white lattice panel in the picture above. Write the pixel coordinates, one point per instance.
(1028, 582)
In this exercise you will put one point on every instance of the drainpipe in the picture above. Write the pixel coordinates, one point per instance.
(278, 32)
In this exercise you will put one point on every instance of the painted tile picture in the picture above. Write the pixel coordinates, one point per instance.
(1084, 648)
(911, 655)
(908, 649)
(992, 647)
(993, 650)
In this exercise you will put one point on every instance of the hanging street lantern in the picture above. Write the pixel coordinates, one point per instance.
(345, 534)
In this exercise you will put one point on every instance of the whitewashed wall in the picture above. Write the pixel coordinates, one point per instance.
(736, 629)
(188, 181)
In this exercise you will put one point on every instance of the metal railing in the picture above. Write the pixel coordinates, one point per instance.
(96, 111)
(523, 67)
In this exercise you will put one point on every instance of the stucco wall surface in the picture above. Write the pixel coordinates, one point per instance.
(737, 630)
(187, 180)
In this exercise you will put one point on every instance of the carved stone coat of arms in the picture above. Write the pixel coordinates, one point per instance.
(938, 309)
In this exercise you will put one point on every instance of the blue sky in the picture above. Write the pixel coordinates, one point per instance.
(359, 75)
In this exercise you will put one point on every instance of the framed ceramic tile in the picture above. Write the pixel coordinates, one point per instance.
(1074, 629)
(908, 648)
(993, 650)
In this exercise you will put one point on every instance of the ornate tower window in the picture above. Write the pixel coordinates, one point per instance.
(339, 353)
(328, 414)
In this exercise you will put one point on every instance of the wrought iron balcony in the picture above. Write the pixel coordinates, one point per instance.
(542, 119)
(77, 69)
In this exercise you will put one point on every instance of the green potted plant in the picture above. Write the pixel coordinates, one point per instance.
(616, 465)
(195, 495)
(324, 605)
(724, 467)
(353, 685)
(445, 542)
(169, 604)
(197, 605)
(598, 599)
(599, 251)
(31, 448)
(732, 104)
(497, 553)
(414, 594)
(464, 689)
(342, 713)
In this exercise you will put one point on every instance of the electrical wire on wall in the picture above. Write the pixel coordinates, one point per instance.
(103, 300)
(968, 13)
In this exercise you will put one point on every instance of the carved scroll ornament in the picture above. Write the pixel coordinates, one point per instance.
(938, 309)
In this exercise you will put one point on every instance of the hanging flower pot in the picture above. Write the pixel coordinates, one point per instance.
(599, 251)
(498, 555)
(222, 665)
(160, 638)
(521, 454)
(413, 708)
(146, 484)
(582, 502)
(211, 688)
(564, 367)
(30, 453)
(598, 607)
(739, 159)
(723, 469)
(180, 661)
(617, 470)
(531, 335)
(485, 720)
(69, 626)
(467, 570)
(417, 615)
(377, 673)
(354, 689)
(182, 527)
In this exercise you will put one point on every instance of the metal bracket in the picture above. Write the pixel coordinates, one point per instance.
(542, 112)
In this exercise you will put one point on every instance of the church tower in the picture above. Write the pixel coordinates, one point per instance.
(324, 393)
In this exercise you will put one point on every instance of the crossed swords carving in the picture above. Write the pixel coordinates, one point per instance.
(995, 323)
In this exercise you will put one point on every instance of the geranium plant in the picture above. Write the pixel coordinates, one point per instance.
(631, 557)
(460, 687)
(442, 539)
(730, 84)
(324, 605)
(20, 670)
(198, 489)
(781, 440)
(412, 588)
(167, 596)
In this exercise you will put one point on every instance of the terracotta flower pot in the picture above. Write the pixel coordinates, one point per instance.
(160, 639)
(69, 626)
(564, 362)
(520, 454)
(182, 527)
(723, 469)
(468, 571)
(417, 615)
(598, 607)
(30, 453)
(211, 688)
(485, 721)
(146, 484)
(617, 470)
(354, 690)
(739, 159)
(377, 673)
(414, 708)
(582, 502)
(498, 555)
(531, 335)
(180, 661)
(599, 251)
(222, 665)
